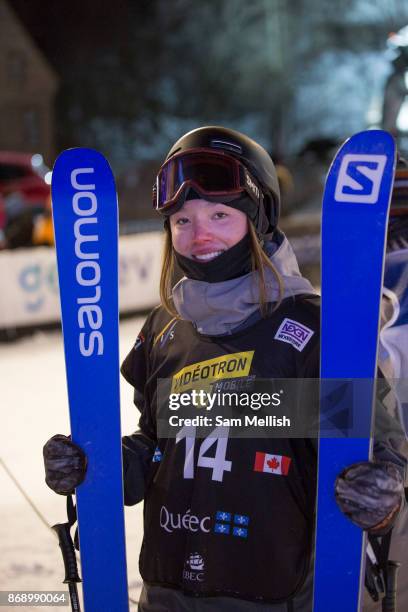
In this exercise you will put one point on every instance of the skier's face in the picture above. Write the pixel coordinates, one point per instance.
(202, 230)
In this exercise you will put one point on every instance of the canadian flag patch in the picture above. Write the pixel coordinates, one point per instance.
(274, 464)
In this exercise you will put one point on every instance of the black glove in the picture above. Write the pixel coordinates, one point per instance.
(137, 452)
(65, 464)
(370, 494)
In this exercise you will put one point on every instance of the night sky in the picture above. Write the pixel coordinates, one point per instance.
(67, 29)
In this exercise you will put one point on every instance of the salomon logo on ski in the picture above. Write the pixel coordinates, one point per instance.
(88, 271)
(360, 178)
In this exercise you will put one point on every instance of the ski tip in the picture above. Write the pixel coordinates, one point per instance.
(375, 132)
(365, 144)
(376, 140)
(82, 174)
(80, 156)
(79, 161)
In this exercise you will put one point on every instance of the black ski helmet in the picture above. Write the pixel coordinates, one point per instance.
(254, 157)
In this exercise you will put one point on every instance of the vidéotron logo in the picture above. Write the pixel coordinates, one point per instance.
(359, 178)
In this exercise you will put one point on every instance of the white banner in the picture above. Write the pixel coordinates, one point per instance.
(30, 283)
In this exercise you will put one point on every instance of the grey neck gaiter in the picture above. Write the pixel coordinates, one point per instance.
(218, 308)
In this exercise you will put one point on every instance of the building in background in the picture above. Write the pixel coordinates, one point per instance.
(28, 86)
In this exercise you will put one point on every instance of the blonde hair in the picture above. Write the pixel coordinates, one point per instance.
(259, 259)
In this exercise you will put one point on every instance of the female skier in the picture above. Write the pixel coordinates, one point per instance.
(228, 521)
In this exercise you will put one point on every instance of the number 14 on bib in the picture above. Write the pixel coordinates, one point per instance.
(354, 225)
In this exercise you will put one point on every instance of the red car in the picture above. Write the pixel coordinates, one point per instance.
(24, 174)
(24, 188)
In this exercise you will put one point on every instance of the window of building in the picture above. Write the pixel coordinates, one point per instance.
(32, 128)
(16, 64)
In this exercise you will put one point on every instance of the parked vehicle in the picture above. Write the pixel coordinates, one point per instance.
(24, 174)
(24, 195)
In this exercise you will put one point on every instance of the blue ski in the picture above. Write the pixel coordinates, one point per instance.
(85, 215)
(354, 225)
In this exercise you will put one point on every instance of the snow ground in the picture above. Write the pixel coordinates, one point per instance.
(34, 407)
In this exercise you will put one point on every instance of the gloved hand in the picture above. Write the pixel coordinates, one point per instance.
(65, 464)
(370, 494)
(137, 452)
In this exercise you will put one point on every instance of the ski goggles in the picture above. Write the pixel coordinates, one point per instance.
(212, 173)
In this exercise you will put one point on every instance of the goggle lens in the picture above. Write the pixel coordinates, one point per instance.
(214, 174)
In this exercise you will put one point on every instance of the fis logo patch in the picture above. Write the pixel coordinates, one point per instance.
(139, 341)
(360, 178)
(157, 457)
(168, 334)
(294, 333)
